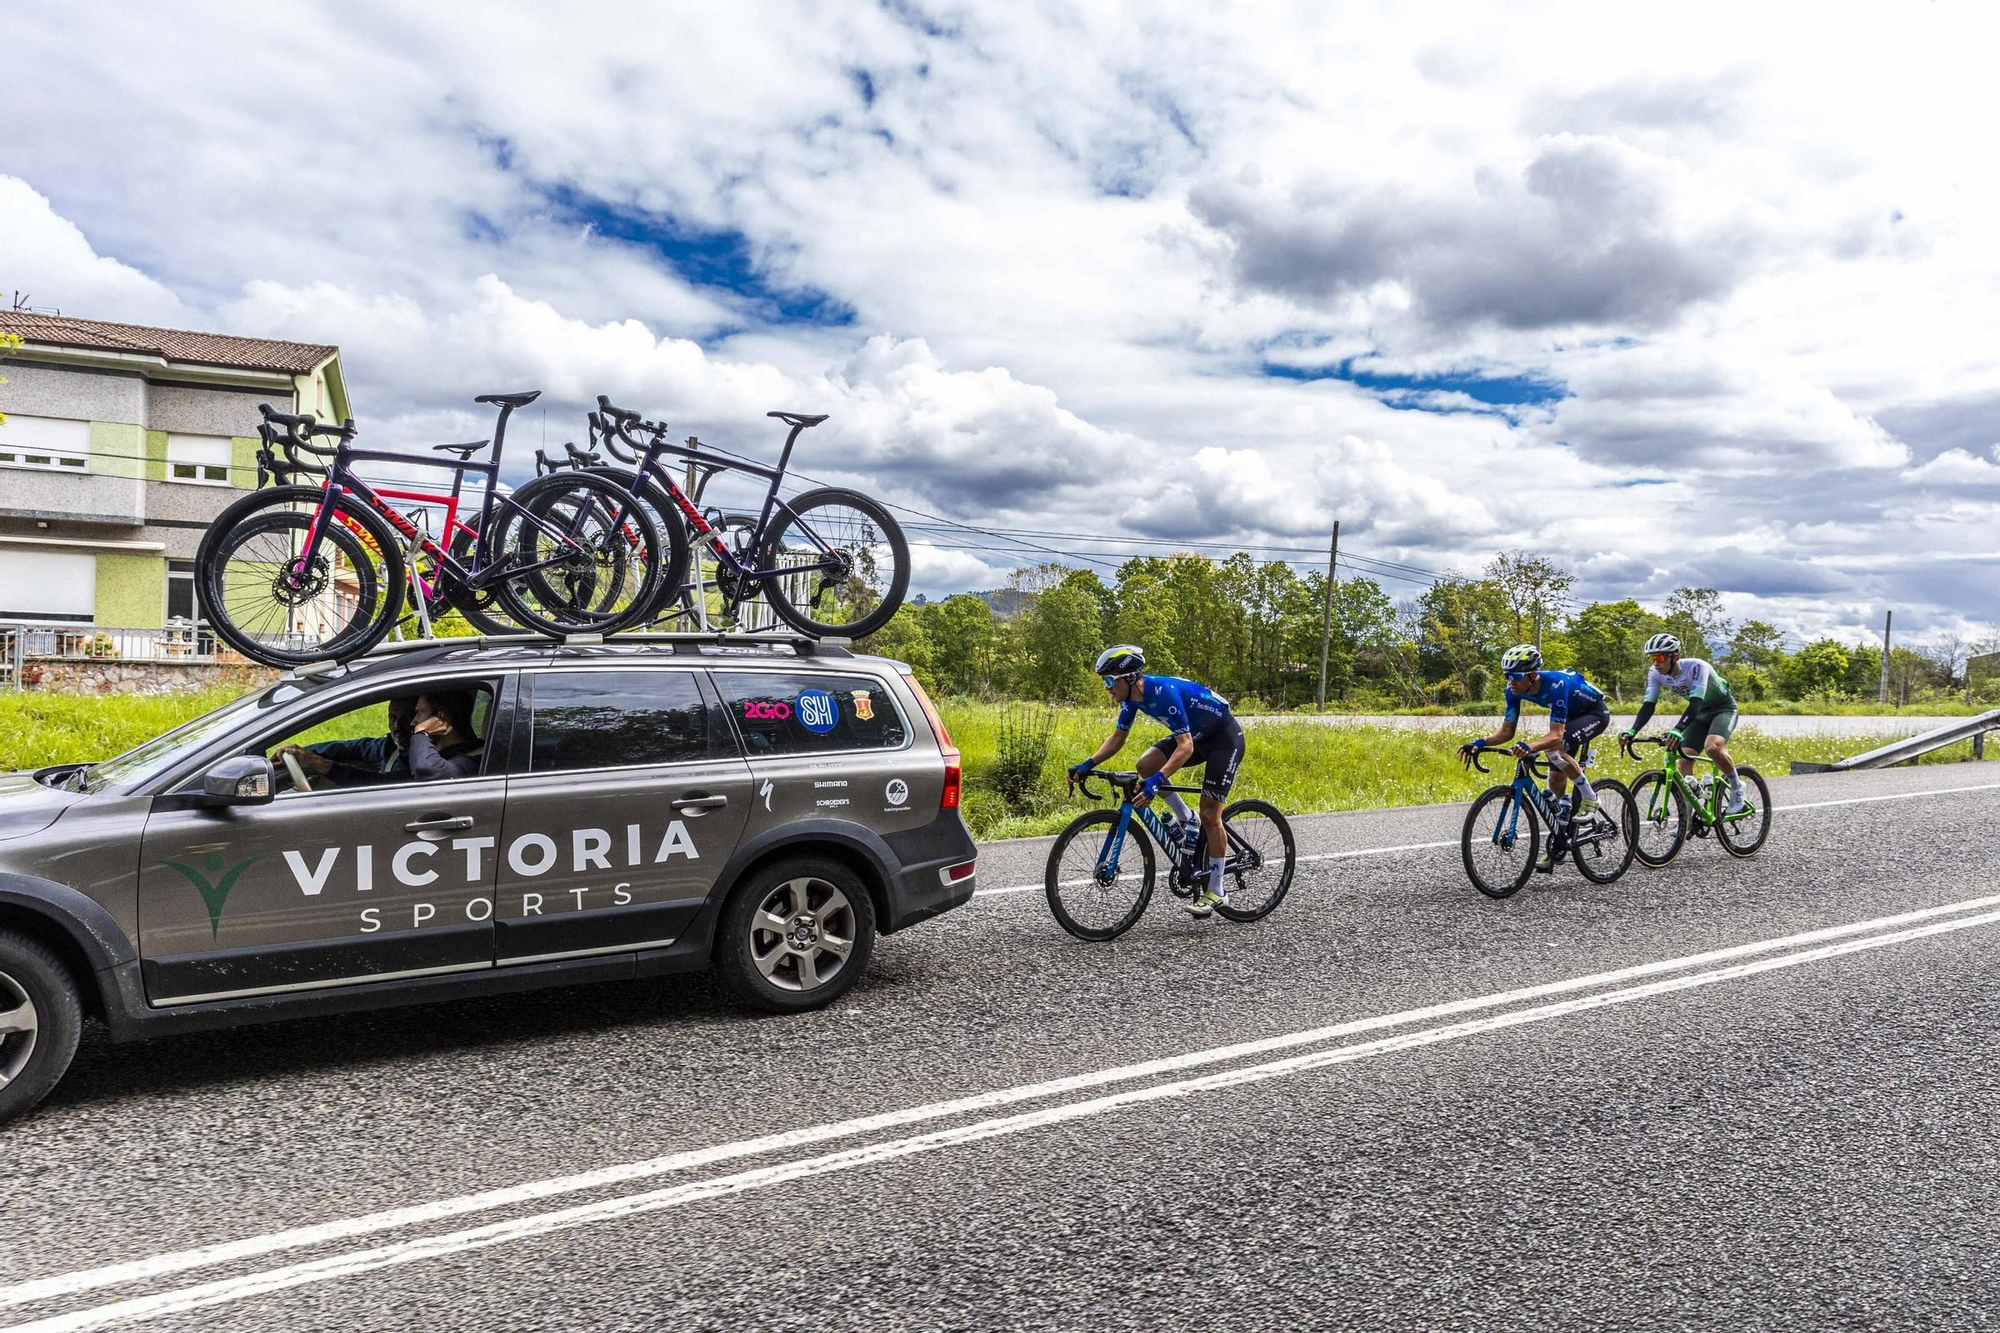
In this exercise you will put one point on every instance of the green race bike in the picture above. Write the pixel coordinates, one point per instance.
(1670, 805)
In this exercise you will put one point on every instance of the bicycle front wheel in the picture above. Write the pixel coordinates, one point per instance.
(850, 560)
(1601, 846)
(579, 556)
(1500, 842)
(266, 599)
(1743, 833)
(1660, 814)
(1093, 897)
(1261, 860)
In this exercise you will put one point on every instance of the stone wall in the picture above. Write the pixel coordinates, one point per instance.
(74, 676)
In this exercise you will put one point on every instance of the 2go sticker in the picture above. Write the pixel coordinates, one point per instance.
(759, 710)
(819, 712)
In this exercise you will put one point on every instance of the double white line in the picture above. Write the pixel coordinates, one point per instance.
(1420, 1027)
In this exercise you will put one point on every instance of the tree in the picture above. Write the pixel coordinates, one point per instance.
(1460, 623)
(906, 640)
(1695, 616)
(1608, 640)
(9, 343)
(1818, 668)
(1758, 644)
(963, 634)
(1533, 587)
(1059, 639)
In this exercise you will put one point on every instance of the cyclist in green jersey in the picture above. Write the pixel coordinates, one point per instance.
(1710, 715)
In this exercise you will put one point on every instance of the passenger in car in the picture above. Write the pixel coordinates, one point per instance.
(365, 760)
(443, 743)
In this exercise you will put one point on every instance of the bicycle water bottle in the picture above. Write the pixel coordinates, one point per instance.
(1191, 837)
(1562, 812)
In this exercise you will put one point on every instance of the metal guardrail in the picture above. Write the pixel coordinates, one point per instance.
(1907, 748)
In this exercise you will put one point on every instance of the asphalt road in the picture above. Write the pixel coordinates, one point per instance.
(1726, 1095)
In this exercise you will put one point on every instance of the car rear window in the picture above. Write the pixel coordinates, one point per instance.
(807, 712)
(609, 719)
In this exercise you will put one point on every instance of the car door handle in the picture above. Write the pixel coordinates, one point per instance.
(432, 827)
(700, 805)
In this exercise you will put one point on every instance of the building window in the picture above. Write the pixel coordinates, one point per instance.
(203, 459)
(47, 585)
(48, 442)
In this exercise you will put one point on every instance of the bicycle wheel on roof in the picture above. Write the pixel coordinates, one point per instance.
(846, 563)
(280, 596)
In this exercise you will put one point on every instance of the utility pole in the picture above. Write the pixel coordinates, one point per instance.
(1326, 611)
(1886, 617)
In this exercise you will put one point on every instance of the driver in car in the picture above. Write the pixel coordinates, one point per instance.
(363, 761)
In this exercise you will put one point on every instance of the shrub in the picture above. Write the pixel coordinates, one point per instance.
(1021, 755)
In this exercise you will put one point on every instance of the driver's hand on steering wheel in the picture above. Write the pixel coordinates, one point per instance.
(310, 761)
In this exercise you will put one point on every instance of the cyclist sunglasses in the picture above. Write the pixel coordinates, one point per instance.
(1518, 675)
(1661, 659)
(1110, 682)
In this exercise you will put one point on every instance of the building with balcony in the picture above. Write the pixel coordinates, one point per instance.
(121, 444)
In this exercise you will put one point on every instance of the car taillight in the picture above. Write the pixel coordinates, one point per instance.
(954, 774)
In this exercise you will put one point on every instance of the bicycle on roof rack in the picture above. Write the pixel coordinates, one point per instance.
(295, 574)
(831, 561)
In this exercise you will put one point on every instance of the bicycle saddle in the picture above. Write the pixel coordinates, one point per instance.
(466, 450)
(509, 399)
(797, 419)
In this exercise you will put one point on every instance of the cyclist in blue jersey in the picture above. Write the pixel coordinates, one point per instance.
(1201, 733)
(1577, 716)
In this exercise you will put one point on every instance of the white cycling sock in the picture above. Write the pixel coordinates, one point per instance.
(1215, 876)
(1583, 789)
(1177, 805)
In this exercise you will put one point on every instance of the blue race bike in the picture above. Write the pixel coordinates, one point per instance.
(1101, 869)
(1502, 839)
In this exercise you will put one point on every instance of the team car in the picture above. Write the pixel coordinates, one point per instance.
(461, 820)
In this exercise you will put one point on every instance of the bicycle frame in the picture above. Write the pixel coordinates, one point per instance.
(1114, 841)
(1526, 791)
(650, 469)
(1708, 811)
(341, 480)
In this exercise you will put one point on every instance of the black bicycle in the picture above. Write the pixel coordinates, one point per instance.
(302, 573)
(831, 561)
(1500, 847)
(1097, 893)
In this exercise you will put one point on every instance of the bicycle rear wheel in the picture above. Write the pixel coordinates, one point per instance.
(1601, 846)
(673, 540)
(265, 600)
(1660, 818)
(579, 556)
(1743, 833)
(869, 563)
(1261, 860)
(1089, 899)
(1499, 854)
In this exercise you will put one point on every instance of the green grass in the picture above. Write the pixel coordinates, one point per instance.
(1302, 767)
(1307, 767)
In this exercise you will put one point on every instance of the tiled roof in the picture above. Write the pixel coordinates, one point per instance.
(205, 349)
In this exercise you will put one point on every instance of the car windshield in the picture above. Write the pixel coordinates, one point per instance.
(146, 761)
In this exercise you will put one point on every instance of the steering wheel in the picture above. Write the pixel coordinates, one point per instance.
(297, 771)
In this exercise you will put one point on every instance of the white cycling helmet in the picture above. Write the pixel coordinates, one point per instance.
(1663, 643)
(1121, 659)
(1521, 657)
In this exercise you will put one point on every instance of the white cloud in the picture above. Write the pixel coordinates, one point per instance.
(1760, 270)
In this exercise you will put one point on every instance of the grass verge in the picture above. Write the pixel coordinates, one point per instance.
(1302, 767)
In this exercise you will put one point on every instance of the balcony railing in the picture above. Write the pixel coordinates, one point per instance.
(176, 641)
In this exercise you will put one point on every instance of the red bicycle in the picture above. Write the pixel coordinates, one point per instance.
(298, 573)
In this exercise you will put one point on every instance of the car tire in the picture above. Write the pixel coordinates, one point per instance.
(41, 1020)
(779, 945)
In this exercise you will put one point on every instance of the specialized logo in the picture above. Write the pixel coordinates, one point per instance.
(765, 792)
(757, 710)
(898, 792)
(214, 893)
(819, 713)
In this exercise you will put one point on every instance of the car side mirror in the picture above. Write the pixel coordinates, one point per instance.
(244, 779)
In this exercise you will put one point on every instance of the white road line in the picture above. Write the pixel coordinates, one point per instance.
(1433, 846)
(250, 1285)
(69, 1284)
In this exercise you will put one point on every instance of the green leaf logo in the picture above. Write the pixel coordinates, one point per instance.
(217, 893)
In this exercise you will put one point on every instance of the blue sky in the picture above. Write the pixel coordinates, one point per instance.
(1703, 302)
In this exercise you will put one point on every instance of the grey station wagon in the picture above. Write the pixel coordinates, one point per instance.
(459, 820)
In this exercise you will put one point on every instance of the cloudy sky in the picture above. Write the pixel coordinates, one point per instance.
(1706, 296)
